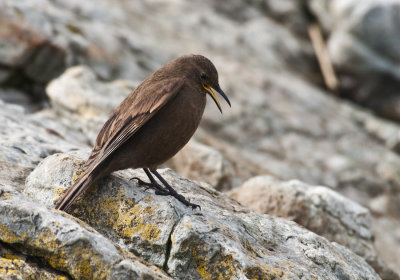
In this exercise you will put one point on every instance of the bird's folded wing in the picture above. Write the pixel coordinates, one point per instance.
(132, 114)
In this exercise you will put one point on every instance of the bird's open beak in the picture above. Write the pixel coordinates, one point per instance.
(214, 97)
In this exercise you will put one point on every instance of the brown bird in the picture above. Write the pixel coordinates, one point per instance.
(151, 125)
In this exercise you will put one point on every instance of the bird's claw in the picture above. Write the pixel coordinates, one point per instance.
(194, 206)
(140, 181)
(182, 199)
(158, 190)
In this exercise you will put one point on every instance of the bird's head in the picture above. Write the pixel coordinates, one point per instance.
(208, 77)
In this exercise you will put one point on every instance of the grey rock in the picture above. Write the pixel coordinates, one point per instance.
(385, 243)
(295, 131)
(17, 266)
(362, 41)
(203, 163)
(17, 97)
(66, 244)
(78, 90)
(290, 13)
(223, 240)
(317, 208)
(40, 39)
(24, 143)
(131, 217)
(84, 102)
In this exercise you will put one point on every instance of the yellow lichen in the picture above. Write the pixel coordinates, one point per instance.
(84, 269)
(16, 268)
(58, 191)
(57, 262)
(220, 267)
(188, 225)
(253, 253)
(46, 239)
(11, 256)
(263, 272)
(4, 195)
(7, 266)
(9, 236)
(121, 214)
(80, 261)
(76, 175)
(130, 221)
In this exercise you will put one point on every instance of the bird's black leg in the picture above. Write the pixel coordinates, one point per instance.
(172, 192)
(159, 190)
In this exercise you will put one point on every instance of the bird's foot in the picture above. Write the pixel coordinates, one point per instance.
(181, 198)
(159, 190)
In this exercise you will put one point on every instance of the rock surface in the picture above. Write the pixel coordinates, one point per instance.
(26, 140)
(14, 265)
(317, 208)
(203, 163)
(222, 241)
(66, 244)
(41, 38)
(362, 40)
(281, 124)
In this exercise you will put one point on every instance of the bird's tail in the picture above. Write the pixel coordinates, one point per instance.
(76, 190)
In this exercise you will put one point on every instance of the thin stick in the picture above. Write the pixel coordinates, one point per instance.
(324, 60)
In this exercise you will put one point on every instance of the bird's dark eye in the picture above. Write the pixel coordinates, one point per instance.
(203, 76)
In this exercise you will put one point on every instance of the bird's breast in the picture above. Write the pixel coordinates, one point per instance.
(163, 135)
(183, 115)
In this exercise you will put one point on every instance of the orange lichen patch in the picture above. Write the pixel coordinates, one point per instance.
(46, 243)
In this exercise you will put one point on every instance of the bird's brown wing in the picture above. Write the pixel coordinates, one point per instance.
(131, 114)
